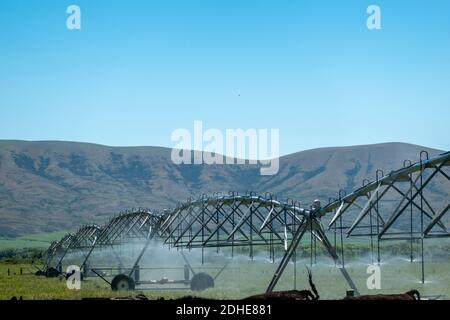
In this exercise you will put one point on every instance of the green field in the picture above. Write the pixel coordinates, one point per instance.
(241, 279)
(32, 287)
(38, 240)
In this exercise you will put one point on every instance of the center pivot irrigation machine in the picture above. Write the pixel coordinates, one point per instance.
(395, 206)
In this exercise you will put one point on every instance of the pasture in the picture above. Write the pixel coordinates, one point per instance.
(242, 278)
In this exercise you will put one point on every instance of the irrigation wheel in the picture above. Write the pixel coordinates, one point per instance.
(68, 275)
(122, 282)
(201, 281)
(52, 273)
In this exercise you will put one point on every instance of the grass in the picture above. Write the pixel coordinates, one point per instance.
(32, 287)
(241, 279)
(397, 276)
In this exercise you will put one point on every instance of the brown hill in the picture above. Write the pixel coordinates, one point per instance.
(48, 186)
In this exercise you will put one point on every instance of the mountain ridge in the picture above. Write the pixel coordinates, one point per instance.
(56, 185)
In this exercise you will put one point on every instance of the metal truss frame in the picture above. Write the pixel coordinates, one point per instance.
(415, 177)
(249, 220)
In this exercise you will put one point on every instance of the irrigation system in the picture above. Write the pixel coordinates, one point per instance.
(394, 206)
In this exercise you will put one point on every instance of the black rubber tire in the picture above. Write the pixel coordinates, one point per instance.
(39, 273)
(201, 281)
(52, 273)
(71, 273)
(122, 282)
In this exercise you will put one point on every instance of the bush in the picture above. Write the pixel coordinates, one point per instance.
(22, 256)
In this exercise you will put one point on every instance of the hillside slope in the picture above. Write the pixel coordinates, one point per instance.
(49, 186)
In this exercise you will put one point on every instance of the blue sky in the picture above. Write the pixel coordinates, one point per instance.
(137, 70)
